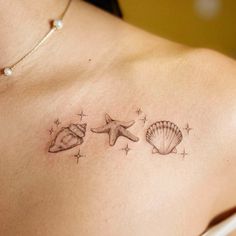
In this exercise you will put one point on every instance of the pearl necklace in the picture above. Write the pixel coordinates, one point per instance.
(56, 24)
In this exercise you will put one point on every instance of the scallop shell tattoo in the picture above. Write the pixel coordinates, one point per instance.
(68, 137)
(164, 136)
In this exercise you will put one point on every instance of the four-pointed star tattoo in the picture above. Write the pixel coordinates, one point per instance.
(115, 128)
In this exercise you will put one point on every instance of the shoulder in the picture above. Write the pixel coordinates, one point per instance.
(200, 80)
(202, 74)
(202, 83)
(213, 66)
(204, 80)
(198, 85)
(215, 75)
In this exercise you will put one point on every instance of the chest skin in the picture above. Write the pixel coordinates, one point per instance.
(107, 190)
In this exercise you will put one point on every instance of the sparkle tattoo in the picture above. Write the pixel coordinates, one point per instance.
(115, 129)
(144, 119)
(81, 115)
(188, 128)
(139, 111)
(51, 131)
(78, 156)
(183, 154)
(57, 122)
(126, 149)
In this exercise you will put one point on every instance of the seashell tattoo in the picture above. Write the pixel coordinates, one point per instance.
(68, 137)
(164, 136)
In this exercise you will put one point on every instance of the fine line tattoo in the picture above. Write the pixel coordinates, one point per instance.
(57, 122)
(115, 129)
(78, 156)
(139, 111)
(126, 149)
(68, 137)
(51, 131)
(164, 136)
(187, 128)
(81, 115)
(183, 153)
(144, 120)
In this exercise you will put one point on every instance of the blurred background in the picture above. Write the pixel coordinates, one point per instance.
(199, 23)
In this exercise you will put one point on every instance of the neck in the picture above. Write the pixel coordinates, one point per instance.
(23, 23)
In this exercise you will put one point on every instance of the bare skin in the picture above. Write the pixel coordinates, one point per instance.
(102, 65)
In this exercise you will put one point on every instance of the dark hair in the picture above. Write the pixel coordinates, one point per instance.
(111, 6)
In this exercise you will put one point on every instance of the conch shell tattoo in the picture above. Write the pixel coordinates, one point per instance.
(68, 137)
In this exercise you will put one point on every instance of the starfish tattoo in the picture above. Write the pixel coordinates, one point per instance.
(115, 129)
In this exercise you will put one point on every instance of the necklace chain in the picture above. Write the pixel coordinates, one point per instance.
(56, 25)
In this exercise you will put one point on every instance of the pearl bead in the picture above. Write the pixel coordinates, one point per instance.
(7, 71)
(58, 24)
